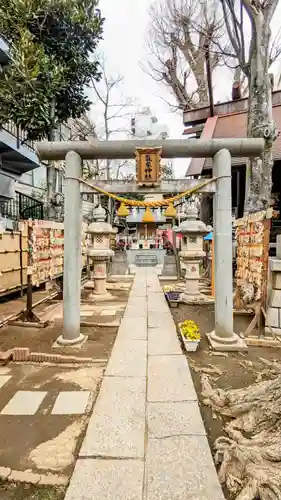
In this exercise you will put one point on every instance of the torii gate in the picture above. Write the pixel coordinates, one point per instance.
(221, 150)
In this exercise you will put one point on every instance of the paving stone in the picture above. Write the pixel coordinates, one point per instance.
(153, 287)
(117, 426)
(131, 311)
(156, 298)
(108, 312)
(4, 379)
(174, 419)
(180, 468)
(71, 403)
(136, 312)
(160, 320)
(106, 480)
(169, 379)
(86, 314)
(128, 359)
(137, 301)
(53, 480)
(141, 307)
(154, 304)
(4, 473)
(133, 329)
(159, 309)
(24, 403)
(26, 476)
(140, 299)
(163, 341)
(88, 307)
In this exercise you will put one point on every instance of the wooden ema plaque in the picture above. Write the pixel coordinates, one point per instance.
(252, 237)
(148, 166)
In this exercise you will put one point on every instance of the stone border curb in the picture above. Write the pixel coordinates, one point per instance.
(29, 477)
(23, 354)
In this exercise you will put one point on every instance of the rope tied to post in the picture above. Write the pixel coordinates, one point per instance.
(151, 204)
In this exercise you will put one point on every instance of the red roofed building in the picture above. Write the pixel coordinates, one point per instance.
(230, 121)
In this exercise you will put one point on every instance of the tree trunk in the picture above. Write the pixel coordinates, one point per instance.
(203, 93)
(260, 122)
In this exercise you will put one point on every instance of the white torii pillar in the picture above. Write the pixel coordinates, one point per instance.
(223, 337)
(72, 267)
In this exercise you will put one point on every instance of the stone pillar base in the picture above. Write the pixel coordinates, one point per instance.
(233, 343)
(90, 285)
(198, 298)
(75, 343)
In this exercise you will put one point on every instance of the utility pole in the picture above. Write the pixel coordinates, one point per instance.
(51, 173)
(209, 76)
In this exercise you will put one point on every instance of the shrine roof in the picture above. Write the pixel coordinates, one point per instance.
(228, 126)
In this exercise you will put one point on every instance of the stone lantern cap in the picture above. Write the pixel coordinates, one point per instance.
(99, 226)
(192, 224)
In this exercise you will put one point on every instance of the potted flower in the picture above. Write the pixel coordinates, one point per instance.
(190, 334)
(171, 295)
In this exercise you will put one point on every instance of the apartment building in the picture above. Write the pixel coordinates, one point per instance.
(23, 177)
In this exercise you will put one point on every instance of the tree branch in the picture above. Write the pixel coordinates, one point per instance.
(178, 33)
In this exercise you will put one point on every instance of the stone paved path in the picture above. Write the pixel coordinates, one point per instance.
(146, 439)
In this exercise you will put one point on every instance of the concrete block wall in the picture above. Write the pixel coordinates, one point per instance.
(273, 315)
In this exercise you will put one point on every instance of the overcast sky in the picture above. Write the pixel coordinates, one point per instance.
(125, 50)
(124, 47)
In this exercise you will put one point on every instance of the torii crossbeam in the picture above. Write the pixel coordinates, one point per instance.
(220, 150)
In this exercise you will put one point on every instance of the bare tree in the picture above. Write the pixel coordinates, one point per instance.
(113, 111)
(255, 57)
(84, 129)
(180, 34)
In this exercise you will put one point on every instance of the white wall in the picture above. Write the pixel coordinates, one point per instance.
(147, 126)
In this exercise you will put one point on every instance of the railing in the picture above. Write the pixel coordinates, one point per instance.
(19, 134)
(22, 207)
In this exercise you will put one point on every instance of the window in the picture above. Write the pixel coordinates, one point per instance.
(27, 178)
(40, 177)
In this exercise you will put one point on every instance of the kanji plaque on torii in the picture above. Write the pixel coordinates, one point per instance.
(148, 166)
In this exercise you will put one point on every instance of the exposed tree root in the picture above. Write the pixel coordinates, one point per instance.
(208, 370)
(249, 458)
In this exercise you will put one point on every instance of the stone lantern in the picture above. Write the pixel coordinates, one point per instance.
(192, 253)
(100, 253)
